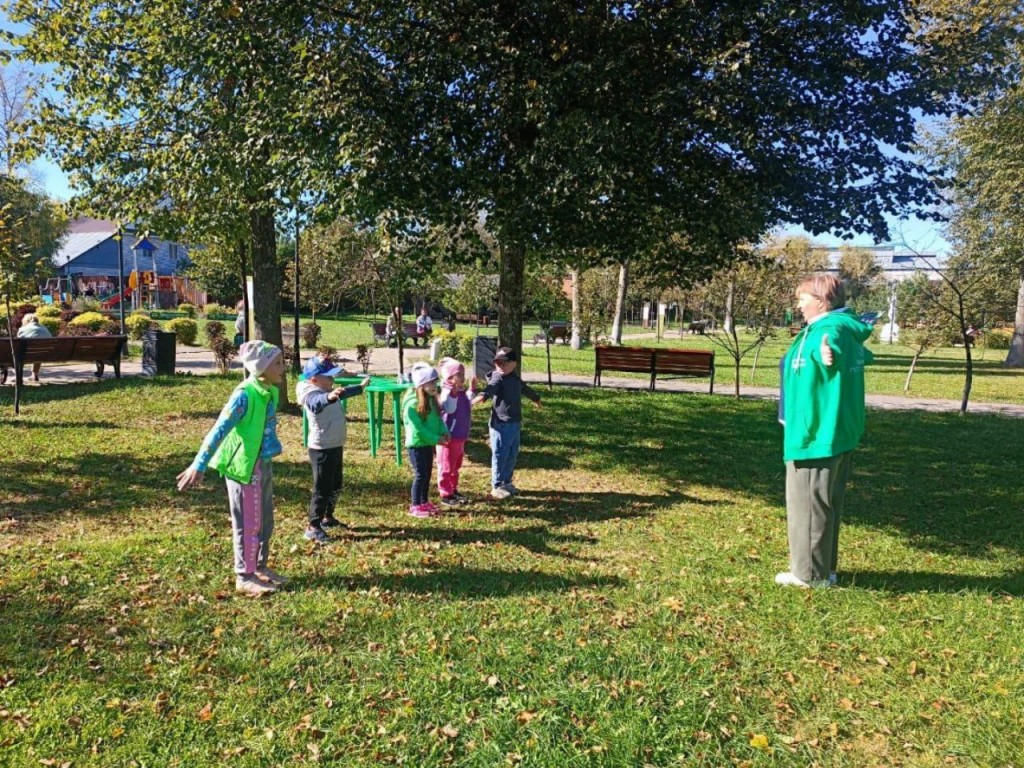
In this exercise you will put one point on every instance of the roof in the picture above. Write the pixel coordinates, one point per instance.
(75, 244)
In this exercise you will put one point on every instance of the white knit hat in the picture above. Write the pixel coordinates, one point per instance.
(423, 374)
(256, 356)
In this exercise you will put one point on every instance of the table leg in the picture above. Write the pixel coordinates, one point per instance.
(379, 432)
(398, 429)
(371, 418)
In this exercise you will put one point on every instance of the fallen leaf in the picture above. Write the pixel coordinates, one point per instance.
(759, 741)
(525, 716)
(450, 731)
(206, 713)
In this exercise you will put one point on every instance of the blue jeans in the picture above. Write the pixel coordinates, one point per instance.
(422, 462)
(504, 452)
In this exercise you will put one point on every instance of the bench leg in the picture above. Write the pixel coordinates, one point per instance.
(117, 367)
(653, 376)
(19, 379)
(99, 369)
(711, 389)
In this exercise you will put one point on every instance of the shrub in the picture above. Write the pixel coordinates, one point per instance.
(455, 344)
(214, 330)
(217, 312)
(52, 324)
(188, 310)
(363, 353)
(998, 338)
(224, 351)
(83, 304)
(67, 315)
(94, 321)
(112, 328)
(185, 328)
(136, 325)
(310, 334)
(48, 310)
(70, 329)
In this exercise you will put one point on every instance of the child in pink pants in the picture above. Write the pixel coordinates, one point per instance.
(453, 399)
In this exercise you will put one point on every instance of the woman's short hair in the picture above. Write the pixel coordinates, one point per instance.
(29, 319)
(828, 288)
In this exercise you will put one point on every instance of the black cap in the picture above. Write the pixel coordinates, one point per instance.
(505, 355)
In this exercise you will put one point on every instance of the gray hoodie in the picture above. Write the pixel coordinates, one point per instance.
(326, 420)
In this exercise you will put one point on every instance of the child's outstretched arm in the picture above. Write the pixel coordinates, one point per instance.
(531, 394)
(229, 417)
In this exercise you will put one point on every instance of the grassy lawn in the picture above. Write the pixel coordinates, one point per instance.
(620, 612)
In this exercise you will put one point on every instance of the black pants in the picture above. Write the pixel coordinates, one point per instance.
(422, 462)
(327, 480)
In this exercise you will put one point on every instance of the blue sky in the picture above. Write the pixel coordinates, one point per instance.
(918, 234)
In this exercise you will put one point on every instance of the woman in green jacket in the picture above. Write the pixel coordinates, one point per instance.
(823, 406)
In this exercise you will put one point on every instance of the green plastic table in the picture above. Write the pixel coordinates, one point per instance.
(376, 393)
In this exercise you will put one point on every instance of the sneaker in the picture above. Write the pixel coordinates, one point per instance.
(432, 509)
(250, 586)
(460, 499)
(419, 510)
(317, 534)
(330, 522)
(511, 488)
(789, 580)
(501, 493)
(450, 501)
(272, 577)
(833, 579)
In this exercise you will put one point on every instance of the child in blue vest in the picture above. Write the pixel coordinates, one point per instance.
(240, 447)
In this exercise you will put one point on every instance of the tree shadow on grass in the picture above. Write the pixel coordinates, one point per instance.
(131, 386)
(570, 507)
(464, 583)
(901, 582)
(538, 539)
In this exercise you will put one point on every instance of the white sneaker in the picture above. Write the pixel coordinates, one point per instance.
(787, 579)
(500, 493)
(250, 586)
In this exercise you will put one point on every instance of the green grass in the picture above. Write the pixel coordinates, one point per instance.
(620, 612)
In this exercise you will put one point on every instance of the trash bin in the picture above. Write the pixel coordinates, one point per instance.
(158, 353)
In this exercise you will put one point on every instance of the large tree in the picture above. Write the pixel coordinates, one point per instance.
(581, 127)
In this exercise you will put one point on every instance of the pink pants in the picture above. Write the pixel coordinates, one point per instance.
(449, 462)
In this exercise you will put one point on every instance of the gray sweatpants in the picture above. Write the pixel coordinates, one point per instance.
(252, 518)
(815, 494)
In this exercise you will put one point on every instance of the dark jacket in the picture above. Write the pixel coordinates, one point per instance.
(507, 392)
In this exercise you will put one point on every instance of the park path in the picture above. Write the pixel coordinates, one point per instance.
(199, 361)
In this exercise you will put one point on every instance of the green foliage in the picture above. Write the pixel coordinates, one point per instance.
(136, 325)
(455, 344)
(52, 324)
(48, 310)
(224, 351)
(94, 321)
(85, 304)
(218, 312)
(310, 333)
(185, 328)
(214, 329)
(188, 310)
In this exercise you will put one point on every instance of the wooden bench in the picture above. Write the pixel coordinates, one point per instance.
(669, 362)
(473, 319)
(62, 349)
(409, 331)
(556, 331)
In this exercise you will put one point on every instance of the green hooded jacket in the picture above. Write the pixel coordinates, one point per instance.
(824, 406)
(419, 432)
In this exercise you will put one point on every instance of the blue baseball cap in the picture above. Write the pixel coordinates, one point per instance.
(320, 366)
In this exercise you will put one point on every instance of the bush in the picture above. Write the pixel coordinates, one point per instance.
(214, 330)
(310, 334)
(217, 312)
(86, 305)
(455, 344)
(224, 351)
(136, 325)
(187, 310)
(70, 329)
(48, 310)
(998, 338)
(185, 328)
(52, 324)
(94, 321)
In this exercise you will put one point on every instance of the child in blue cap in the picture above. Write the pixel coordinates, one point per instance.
(325, 441)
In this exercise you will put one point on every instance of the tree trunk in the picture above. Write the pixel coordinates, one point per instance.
(11, 334)
(510, 296)
(728, 307)
(575, 341)
(1015, 357)
(620, 303)
(969, 374)
(266, 284)
(913, 364)
(753, 368)
(246, 309)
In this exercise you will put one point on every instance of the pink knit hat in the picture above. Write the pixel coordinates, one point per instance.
(450, 367)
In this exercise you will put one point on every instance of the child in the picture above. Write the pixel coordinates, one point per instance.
(240, 447)
(423, 430)
(457, 416)
(507, 389)
(325, 416)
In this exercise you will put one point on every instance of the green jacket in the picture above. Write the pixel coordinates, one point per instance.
(419, 432)
(824, 406)
(237, 455)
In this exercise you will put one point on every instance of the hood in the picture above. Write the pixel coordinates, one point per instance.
(842, 318)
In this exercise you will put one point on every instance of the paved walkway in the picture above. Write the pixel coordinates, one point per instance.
(199, 361)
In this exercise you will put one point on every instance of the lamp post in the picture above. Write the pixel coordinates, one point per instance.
(296, 363)
(120, 276)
